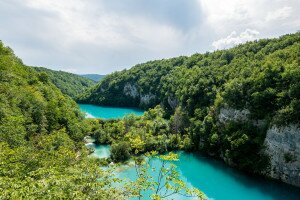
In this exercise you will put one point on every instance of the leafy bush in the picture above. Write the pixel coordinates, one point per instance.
(120, 151)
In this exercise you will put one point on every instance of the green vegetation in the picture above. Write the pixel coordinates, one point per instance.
(94, 77)
(42, 155)
(261, 77)
(40, 139)
(41, 129)
(138, 135)
(168, 182)
(69, 84)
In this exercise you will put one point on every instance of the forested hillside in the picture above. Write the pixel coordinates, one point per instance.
(70, 84)
(94, 77)
(41, 154)
(256, 83)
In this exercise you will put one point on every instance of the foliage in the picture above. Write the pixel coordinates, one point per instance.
(260, 76)
(139, 135)
(41, 154)
(120, 151)
(41, 132)
(166, 184)
(69, 84)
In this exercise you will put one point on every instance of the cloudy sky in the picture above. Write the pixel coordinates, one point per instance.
(101, 36)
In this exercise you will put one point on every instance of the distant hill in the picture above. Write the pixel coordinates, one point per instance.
(94, 77)
(70, 84)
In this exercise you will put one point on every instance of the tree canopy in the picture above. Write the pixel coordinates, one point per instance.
(70, 84)
(261, 77)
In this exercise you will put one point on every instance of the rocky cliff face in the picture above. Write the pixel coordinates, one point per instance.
(283, 147)
(144, 99)
(173, 102)
(131, 90)
(231, 114)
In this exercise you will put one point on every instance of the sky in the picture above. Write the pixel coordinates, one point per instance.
(102, 36)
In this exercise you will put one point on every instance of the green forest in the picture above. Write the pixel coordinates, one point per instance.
(69, 84)
(260, 76)
(42, 151)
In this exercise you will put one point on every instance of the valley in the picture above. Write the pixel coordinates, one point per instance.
(231, 117)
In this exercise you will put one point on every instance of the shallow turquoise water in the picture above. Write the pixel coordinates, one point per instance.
(101, 151)
(104, 112)
(220, 182)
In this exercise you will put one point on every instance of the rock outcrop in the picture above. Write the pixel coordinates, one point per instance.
(146, 99)
(283, 147)
(173, 102)
(231, 114)
(131, 90)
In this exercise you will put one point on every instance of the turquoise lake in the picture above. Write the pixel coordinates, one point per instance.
(104, 112)
(213, 177)
(101, 151)
(217, 180)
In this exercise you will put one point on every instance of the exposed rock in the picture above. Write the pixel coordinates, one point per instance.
(88, 139)
(147, 98)
(173, 102)
(131, 90)
(231, 114)
(283, 147)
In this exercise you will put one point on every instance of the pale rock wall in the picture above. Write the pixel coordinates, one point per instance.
(281, 142)
(231, 114)
(283, 147)
(173, 102)
(131, 90)
(147, 98)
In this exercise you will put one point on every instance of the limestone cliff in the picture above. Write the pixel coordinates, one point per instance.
(283, 148)
(131, 90)
(145, 100)
(282, 145)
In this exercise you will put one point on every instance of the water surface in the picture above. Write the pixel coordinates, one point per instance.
(101, 151)
(220, 182)
(104, 112)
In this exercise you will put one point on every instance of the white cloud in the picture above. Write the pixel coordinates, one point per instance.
(71, 70)
(279, 14)
(263, 15)
(100, 36)
(234, 39)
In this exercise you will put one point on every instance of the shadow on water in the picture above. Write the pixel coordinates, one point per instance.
(218, 181)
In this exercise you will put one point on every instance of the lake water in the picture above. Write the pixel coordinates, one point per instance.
(101, 151)
(104, 112)
(217, 180)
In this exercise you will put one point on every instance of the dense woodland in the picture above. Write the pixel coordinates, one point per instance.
(69, 84)
(260, 76)
(42, 154)
(40, 136)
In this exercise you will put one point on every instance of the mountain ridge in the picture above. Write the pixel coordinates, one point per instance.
(94, 77)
